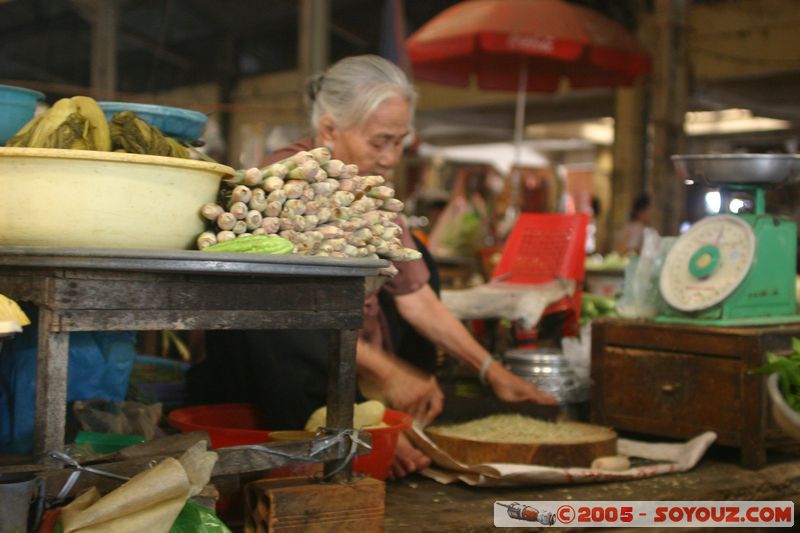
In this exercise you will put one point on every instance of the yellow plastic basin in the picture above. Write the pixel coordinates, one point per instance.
(83, 198)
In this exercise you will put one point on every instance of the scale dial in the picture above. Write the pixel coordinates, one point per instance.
(707, 263)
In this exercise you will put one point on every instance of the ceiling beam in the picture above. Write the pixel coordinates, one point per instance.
(29, 69)
(40, 28)
(349, 36)
(157, 49)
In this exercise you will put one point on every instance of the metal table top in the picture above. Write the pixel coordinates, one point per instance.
(188, 261)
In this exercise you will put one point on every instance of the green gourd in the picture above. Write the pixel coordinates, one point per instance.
(260, 244)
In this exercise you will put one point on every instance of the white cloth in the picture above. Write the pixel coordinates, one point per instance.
(512, 301)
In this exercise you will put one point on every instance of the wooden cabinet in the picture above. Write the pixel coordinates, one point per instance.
(678, 381)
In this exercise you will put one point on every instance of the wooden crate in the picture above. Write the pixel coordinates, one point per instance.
(679, 380)
(301, 505)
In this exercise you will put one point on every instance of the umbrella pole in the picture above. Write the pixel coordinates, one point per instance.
(519, 129)
(519, 118)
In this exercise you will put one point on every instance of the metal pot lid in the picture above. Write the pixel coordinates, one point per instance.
(538, 356)
(552, 373)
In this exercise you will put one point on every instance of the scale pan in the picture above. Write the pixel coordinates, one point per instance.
(743, 169)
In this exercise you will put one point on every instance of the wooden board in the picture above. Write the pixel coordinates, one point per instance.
(578, 452)
(301, 505)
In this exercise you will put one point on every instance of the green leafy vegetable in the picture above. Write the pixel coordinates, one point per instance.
(594, 306)
(788, 370)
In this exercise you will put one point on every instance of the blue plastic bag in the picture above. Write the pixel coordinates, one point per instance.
(99, 366)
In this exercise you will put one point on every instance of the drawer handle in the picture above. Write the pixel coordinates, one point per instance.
(668, 388)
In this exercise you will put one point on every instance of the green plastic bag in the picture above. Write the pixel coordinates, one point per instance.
(196, 518)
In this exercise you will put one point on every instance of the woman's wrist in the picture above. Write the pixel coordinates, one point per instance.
(483, 370)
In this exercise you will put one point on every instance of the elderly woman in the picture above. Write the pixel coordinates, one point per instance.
(362, 109)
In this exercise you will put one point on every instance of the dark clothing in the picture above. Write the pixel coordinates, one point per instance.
(408, 344)
(284, 372)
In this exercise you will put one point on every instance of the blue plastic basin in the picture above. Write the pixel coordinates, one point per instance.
(172, 121)
(17, 106)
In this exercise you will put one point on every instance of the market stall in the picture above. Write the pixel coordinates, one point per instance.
(704, 316)
(555, 377)
(138, 274)
(93, 289)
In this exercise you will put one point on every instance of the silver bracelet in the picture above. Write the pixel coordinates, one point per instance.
(485, 369)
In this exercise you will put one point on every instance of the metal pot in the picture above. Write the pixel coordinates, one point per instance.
(21, 502)
(549, 371)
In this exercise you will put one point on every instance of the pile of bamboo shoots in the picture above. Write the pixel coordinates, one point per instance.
(320, 204)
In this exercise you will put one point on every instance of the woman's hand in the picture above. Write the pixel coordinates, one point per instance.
(397, 384)
(423, 310)
(511, 388)
(407, 459)
(413, 392)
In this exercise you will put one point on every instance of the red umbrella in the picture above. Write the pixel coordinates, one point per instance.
(550, 39)
(525, 45)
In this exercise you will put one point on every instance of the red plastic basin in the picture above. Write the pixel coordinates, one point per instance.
(227, 424)
(236, 424)
(376, 464)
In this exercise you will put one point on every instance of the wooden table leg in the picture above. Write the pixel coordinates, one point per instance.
(51, 386)
(754, 410)
(341, 388)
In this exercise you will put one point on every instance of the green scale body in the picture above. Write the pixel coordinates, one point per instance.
(766, 294)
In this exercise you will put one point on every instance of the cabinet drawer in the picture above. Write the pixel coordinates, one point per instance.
(670, 394)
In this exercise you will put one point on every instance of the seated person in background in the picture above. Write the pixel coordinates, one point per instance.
(630, 237)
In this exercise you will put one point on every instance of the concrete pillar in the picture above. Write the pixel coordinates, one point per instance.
(314, 35)
(630, 142)
(103, 16)
(667, 110)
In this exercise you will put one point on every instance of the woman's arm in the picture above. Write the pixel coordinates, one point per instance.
(402, 387)
(429, 316)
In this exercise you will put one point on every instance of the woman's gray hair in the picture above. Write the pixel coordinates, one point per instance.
(354, 87)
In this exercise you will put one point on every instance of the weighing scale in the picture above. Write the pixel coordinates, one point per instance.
(733, 269)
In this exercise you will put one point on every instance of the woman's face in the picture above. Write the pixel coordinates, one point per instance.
(376, 144)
